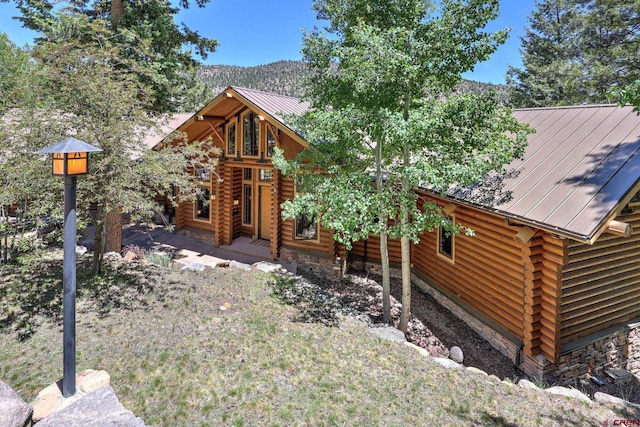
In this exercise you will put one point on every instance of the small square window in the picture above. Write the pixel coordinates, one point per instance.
(247, 174)
(265, 175)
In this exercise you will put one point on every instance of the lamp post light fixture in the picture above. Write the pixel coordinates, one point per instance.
(70, 159)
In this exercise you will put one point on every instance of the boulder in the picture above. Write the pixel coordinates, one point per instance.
(528, 384)
(239, 265)
(95, 409)
(112, 255)
(420, 350)
(194, 266)
(269, 267)
(14, 412)
(447, 363)
(130, 256)
(81, 250)
(90, 380)
(456, 354)
(568, 392)
(389, 333)
(608, 399)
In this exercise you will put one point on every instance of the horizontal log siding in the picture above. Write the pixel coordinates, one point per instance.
(187, 219)
(325, 244)
(601, 283)
(488, 271)
(369, 250)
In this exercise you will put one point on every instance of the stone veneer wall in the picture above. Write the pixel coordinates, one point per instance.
(318, 265)
(616, 349)
(199, 235)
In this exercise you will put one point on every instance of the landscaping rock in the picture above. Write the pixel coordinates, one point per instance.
(389, 333)
(194, 266)
(528, 384)
(96, 409)
(130, 256)
(269, 267)
(14, 412)
(447, 363)
(607, 398)
(456, 354)
(81, 250)
(569, 392)
(239, 265)
(112, 255)
(476, 371)
(422, 351)
(90, 380)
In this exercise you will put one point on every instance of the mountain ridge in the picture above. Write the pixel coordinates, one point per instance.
(285, 78)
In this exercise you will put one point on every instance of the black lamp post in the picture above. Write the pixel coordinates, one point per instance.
(70, 159)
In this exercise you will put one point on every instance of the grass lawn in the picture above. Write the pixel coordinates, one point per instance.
(177, 359)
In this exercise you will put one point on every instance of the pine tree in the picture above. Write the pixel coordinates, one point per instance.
(575, 51)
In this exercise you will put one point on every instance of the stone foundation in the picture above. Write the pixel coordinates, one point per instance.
(612, 349)
(316, 264)
(199, 235)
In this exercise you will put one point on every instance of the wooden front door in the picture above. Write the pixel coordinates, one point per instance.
(264, 212)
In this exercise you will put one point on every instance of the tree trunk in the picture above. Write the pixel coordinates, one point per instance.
(113, 231)
(384, 249)
(406, 255)
(97, 248)
(117, 11)
(404, 222)
(386, 281)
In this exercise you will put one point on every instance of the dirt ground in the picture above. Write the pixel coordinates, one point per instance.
(436, 329)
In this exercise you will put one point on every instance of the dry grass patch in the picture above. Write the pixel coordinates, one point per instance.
(176, 358)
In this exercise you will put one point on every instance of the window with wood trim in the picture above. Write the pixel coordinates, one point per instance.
(203, 174)
(231, 140)
(202, 207)
(306, 228)
(271, 142)
(247, 191)
(250, 135)
(446, 242)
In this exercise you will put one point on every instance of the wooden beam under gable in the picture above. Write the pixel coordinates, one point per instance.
(215, 131)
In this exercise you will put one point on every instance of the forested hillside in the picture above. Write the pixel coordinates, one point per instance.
(285, 77)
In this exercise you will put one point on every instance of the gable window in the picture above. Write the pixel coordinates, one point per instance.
(202, 206)
(271, 142)
(446, 242)
(231, 140)
(250, 134)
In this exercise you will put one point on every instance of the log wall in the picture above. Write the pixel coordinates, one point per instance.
(324, 245)
(487, 274)
(601, 283)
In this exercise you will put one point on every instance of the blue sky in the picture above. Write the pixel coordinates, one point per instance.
(254, 32)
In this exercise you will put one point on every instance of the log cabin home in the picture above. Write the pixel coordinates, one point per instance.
(551, 277)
